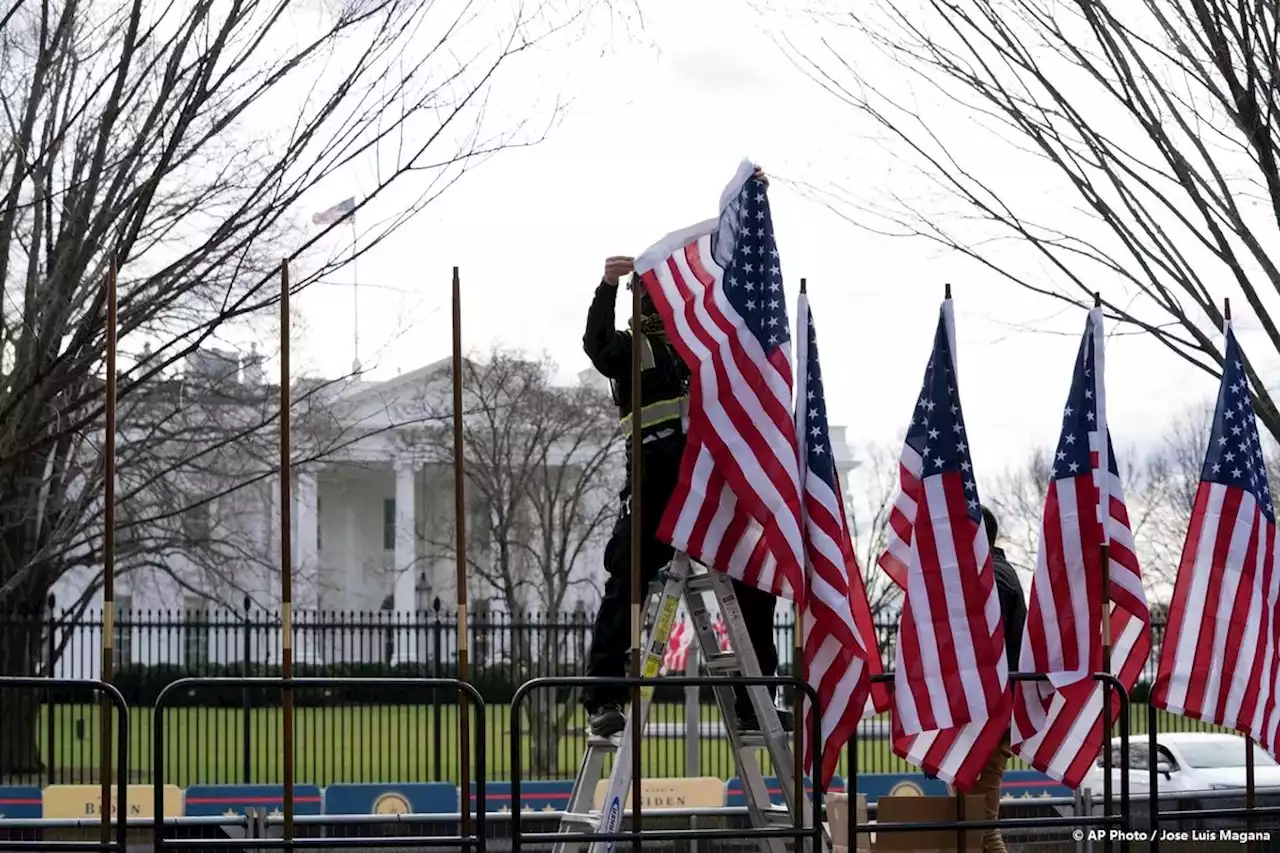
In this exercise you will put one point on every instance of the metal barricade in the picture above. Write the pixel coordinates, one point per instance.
(464, 842)
(113, 696)
(637, 835)
(1107, 819)
(1247, 813)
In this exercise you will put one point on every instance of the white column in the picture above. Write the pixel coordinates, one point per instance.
(405, 600)
(306, 564)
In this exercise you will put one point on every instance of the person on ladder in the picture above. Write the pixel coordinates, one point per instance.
(664, 391)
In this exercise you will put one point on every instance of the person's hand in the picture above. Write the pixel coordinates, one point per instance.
(760, 176)
(617, 266)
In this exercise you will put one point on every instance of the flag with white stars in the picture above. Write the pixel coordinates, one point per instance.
(951, 697)
(1058, 725)
(841, 654)
(1218, 661)
(718, 288)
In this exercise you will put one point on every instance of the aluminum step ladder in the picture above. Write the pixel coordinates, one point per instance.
(680, 580)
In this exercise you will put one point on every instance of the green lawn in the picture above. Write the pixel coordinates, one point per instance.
(377, 744)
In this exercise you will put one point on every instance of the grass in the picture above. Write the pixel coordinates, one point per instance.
(380, 744)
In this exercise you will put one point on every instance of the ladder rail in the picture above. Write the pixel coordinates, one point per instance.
(682, 583)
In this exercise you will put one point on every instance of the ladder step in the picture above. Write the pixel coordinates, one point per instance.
(752, 740)
(725, 663)
(608, 744)
(700, 583)
(591, 820)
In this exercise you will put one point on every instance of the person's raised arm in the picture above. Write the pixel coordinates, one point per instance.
(608, 348)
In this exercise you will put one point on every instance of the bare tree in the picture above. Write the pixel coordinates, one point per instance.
(1017, 497)
(181, 142)
(542, 475)
(1159, 122)
(873, 490)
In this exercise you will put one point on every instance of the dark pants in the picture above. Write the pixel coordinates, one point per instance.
(611, 635)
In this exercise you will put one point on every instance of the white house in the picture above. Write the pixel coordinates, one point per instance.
(368, 514)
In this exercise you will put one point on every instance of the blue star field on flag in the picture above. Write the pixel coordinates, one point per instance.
(1235, 458)
(1080, 417)
(818, 437)
(753, 277)
(937, 429)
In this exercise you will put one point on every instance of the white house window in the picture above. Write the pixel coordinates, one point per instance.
(195, 634)
(197, 523)
(388, 524)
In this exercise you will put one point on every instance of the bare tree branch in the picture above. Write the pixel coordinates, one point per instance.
(542, 472)
(1155, 121)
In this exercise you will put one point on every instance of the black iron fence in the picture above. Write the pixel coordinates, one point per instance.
(352, 733)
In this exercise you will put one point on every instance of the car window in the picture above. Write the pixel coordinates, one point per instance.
(1137, 757)
(1227, 752)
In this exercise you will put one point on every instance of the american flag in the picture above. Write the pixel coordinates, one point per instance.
(335, 213)
(951, 691)
(676, 657)
(1218, 662)
(1057, 726)
(718, 289)
(840, 651)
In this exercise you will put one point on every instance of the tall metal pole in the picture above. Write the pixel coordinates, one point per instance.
(801, 672)
(1250, 791)
(460, 551)
(286, 558)
(1104, 512)
(960, 795)
(637, 587)
(105, 735)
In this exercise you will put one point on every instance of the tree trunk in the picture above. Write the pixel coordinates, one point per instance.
(20, 763)
(546, 727)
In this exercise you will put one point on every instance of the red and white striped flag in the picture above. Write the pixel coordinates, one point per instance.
(718, 289)
(951, 697)
(840, 651)
(1057, 726)
(676, 657)
(1218, 661)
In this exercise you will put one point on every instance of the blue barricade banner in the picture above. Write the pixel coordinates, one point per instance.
(735, 797)
(543, 795)
(407, 798)
(873, 786)
(21, 802)
(206, 800)
(1023, 784)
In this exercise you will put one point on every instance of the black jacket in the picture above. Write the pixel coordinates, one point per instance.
(610, 354)
(1013, 605)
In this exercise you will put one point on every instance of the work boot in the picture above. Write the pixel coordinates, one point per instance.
(749, 722)
(606, 720)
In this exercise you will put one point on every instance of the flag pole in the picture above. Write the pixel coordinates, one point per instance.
(286, 560)
(109, 561)
(797, 663)
(460, 552)
(1104, 511)
(960, 795)
(637, 590)
(1250, 792)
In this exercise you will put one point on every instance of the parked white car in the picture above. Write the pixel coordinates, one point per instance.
(1187, 761)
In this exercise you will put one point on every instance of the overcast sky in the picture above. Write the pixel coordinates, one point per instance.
(656, 127)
